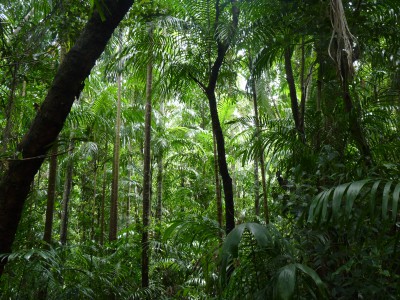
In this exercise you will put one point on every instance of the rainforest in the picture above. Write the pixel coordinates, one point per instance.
(199, 149)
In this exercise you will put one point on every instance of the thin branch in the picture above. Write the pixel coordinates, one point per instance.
(200, 84)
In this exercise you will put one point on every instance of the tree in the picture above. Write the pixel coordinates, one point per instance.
(115, 172)
(147, 165)
(67, 84)
(223, 41)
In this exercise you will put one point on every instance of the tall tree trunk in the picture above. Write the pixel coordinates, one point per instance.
(209, 90)
(115, 170)
(292, 91)
(66, 194)
(92, 222)
(261, 158)
(147, 167)
(76, 67)
(160, 175)
(256, 188)
(217, 184)
(51, 188)
(51, 195)
(303, 86)
(102, 205)
(222, 164)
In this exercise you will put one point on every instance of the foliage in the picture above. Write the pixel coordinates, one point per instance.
(334, 228)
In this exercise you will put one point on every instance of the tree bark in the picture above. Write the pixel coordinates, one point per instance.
(51, 194)
(102, 204)
(261, 158)
(209, 90)
(51, 188)
(66, 194)
(76, 67)
(217, 184)
(147, 168)
(292, 91)
(115, 170)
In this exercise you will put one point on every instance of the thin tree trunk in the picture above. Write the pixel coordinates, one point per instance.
(51, 195)
(265, 189)
(76, 67)
(262, 164)
(217, 184)
(222, 164)
(209, 90)
(256, 189)
(92, 223)
(160, 174)
(51, 188)
(66, 194)
(146, 168)
(160, 177)
(115, 170)
(292, 91)
(303, 85)
(102, 205)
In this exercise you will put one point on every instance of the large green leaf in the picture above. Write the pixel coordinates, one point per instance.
(286, 282)
(352, 192)
(395, 202)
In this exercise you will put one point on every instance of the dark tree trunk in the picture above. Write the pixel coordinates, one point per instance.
(354, 122)
(51, 194)
(115, 170)
(222, 164)
(147, 170)
(217, 184)
(209, 90)
(66, 195)
(68, 82)
(292, 91)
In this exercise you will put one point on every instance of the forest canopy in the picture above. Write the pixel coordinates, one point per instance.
(200, 149)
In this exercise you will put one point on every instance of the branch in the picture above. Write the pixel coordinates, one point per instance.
(200, 84)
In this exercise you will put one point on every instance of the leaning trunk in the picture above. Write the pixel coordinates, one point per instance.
(76, 67)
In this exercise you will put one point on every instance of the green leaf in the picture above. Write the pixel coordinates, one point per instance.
(395, 202)
(230, 249)
(372, 202)
(315, 277)
(352, 192)
(337, 199)
(28, 255)
(313, 207)
(385, 199)
(259, 233)
(286, 282)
